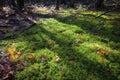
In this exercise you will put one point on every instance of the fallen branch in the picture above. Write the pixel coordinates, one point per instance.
(106, 12)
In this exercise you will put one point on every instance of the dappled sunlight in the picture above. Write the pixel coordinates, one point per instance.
(70, 56)
(96, 27)
(69, 48)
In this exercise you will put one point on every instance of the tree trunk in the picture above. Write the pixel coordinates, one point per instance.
(99, 4)
(58, 2)
(72, 4)
(13, 4)
(20, 4)
(2, 3)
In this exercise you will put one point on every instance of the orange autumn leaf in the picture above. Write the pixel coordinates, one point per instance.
(56, 59)
(32, 55)
(101, 52)
(11, 50)
(13, 57)
(16, 56)
(18, 53)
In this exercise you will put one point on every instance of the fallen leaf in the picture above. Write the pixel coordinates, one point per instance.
(18, 53)
(13, 57)
(56, 58)
(11, 50)
(101, 52)
(77, 40)
(31, 55)
(25, 12)
(6, 15)
(8, 67)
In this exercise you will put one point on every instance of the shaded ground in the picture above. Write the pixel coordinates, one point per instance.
(10, 23)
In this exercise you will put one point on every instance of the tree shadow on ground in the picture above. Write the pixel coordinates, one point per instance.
(75, 60)
(69, 54)
(102, 27)
(18, 21)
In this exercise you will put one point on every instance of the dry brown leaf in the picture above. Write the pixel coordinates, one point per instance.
(102, 52)
(77, 40)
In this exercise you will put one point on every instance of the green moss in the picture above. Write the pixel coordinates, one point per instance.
(76, 40)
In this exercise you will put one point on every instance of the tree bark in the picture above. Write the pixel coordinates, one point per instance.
(20, 4)
(13, 4)
(58, 2)
(72, 4)
(2, 3)
(99, 4)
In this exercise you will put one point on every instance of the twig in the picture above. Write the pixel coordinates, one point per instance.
(106, 12)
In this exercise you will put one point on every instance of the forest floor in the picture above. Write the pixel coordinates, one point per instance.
(77, 47)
